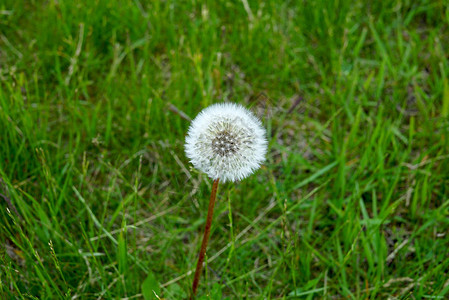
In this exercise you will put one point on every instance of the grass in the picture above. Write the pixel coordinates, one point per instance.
(99, 201)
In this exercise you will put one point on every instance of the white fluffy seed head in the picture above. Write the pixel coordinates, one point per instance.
(226, 141)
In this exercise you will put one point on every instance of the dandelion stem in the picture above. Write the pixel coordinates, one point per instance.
(199, 265)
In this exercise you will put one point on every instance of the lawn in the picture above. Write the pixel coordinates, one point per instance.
(99, 201)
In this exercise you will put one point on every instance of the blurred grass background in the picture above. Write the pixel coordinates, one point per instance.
(99, 201)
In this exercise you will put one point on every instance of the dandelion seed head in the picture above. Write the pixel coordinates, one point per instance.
(226, 141)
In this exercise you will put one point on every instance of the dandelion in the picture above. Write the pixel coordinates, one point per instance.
(227, 142)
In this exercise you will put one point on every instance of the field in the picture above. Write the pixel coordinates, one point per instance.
(97, 197)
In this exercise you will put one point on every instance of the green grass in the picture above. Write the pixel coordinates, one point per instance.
(99, 201)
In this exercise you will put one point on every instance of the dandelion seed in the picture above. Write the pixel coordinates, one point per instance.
(240, 135)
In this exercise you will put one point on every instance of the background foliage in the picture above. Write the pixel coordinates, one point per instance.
(99, 201)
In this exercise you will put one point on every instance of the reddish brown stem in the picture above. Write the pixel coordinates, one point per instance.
(210, 213)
